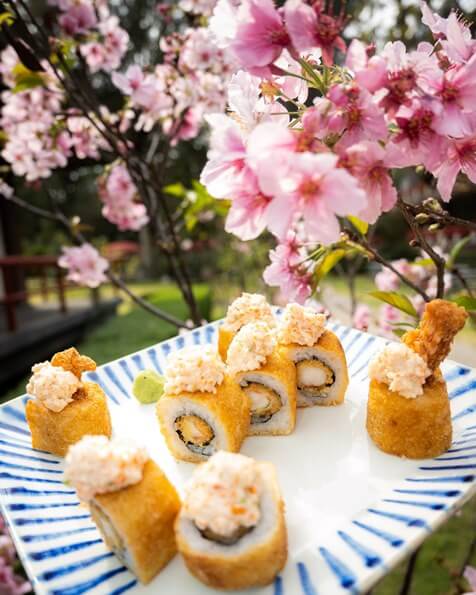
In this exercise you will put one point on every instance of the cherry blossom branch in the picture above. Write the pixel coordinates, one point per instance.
(439, 261)
(79, 239)
(377, 257)
(141, 169)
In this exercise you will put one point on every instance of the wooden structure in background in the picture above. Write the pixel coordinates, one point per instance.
(12, 296)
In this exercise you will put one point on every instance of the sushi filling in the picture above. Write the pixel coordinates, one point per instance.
(231, 539)
(195, 433)
(314, 378)
(265, 402)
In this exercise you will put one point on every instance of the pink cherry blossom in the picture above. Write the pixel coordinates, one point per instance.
(248, 215)
(129, 82)
(361, 318)
(85, 265)
(226, 159)
(315, 191)
(460, 156)
(366, 161)
(456, 89)
(356, 115)
(406, 73)
(260, 34)
(388, 316)
(417, 140)
(470, 576)
(119, 196)
(78, 19)
(288, 270)
(311, 27)
(370, 71)
(453, 34)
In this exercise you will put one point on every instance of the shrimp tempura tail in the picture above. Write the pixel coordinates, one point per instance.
(440, 322)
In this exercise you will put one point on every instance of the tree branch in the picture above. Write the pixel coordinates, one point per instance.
(423, 242)
(361, 241)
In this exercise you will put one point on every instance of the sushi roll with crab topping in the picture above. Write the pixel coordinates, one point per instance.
(321, 368)
(202, 409)
(249, 307)
(231, 529)
(267, 377)
(65, 407)
(130, 499)
(408, 410)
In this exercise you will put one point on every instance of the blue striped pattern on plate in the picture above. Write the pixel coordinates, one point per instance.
(365, 512)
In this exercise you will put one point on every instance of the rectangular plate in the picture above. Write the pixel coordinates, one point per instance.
(353, 512)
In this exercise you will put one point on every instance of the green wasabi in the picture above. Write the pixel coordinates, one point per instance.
(148, 386)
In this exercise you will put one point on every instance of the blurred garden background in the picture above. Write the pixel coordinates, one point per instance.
(43, 310)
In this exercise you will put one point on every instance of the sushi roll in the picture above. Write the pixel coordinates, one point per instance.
(267, 377)
(130, 499)
(231, 529)
(65, 408)
(202, 409)
(249, 307)
(408, 411)
(321, 368)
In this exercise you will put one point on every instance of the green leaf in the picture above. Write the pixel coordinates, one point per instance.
(328, 262)
(7, 18)
(424, 262)
(397, 300)
(25, 79)
(399, 332)
(177, 189)
(359, 225)
(467, 302)
(403, 325)
(456, 250)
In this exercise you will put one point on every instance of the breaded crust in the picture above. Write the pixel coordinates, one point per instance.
(72, 361)
(225, 337)
(255, 567)
(417, 428)
(54, 432)
(143, 515)
(229, 406)
(432, 340)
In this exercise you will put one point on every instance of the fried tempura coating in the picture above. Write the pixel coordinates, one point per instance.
(440, 322)
(71, 360)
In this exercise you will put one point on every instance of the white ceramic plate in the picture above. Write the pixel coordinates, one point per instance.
(352, 511)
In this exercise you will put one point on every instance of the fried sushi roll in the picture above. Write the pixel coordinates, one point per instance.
(408, 411)
(267, 377)
(231, 529)
(65, 408)
(249, 307)
(202, 410)
(321, 368)
(130, 499)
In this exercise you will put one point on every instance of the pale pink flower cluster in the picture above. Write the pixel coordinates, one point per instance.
(179, 92)
(199, 7)
(10, 582)
(121, 203)
(298, 172)
(103, 41)
(39, 139)
(84, 264)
